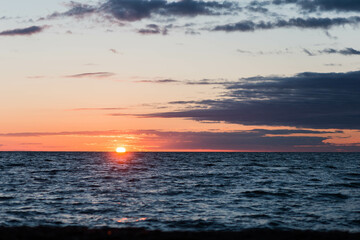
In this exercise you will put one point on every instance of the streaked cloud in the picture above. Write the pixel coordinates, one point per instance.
(91, 74)
(153, 29)
(346, 51)
(97, 109)
(189, 82)
(22, 31)
(30, 144)
(158, 81)
(302, 23)
(256, 53)
(70, 133)
(308, 52)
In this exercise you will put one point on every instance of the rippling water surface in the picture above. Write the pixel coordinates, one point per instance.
(181, 191)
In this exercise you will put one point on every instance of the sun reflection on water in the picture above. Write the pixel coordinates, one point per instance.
(126, 220)
(120, 158)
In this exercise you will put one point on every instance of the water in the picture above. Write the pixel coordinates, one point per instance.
(181, 191)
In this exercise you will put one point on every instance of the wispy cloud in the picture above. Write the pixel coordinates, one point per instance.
(333, 64)
(30, 144)
(75, 10)
(189, 82)
(70, 133)
(256, 53)
(97, 109)
(113, 51)
(92, 74)
(346, 51)
(308, 52)
(153, 29)
(158, 81)
(22, 31)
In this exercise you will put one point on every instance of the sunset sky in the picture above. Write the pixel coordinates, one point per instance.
(156, 75)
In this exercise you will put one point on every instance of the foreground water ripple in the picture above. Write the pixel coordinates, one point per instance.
(181, 191)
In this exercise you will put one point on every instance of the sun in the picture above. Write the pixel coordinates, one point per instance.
(120, 150)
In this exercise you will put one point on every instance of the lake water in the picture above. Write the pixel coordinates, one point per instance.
(181, 191)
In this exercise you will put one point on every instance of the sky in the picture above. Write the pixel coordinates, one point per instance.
(186, 75)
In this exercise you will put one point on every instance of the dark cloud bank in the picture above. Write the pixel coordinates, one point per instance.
(135, 10)
(323, 5)
(306, 100)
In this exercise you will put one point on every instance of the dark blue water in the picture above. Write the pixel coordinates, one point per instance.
(186, 191)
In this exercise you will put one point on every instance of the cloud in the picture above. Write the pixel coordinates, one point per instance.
(333, 64)
(36, 77)
(76, 10)
(308, 23)
(308, 52)
(306, 100)
(324, 5)
(22, 31)
(113, 51)
(190, 82)
(209, 82)
(291, 131)
(135, 10)
(258, 9)
(71, 133)
(30, 144)
(91, 74)
(153, 29)
(253, 140)
(242, 140)
(158, 81)
(345, 51)
(96, 109)
(255, 53)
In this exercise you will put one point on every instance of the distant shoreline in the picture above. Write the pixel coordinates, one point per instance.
(84, 233)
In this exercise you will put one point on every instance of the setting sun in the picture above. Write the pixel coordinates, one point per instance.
(120, 150)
